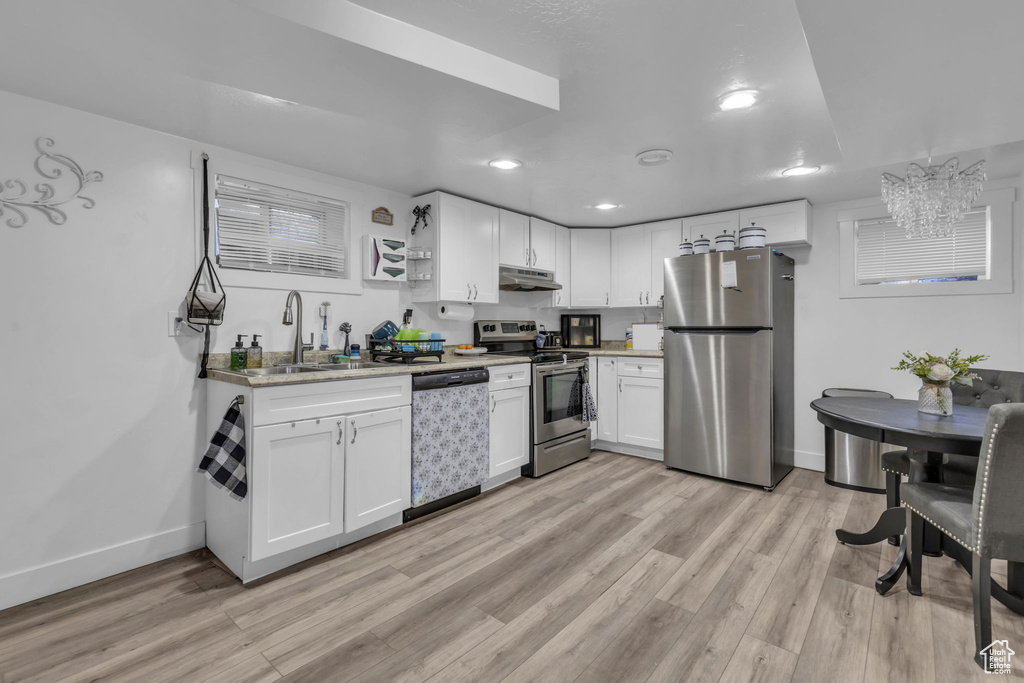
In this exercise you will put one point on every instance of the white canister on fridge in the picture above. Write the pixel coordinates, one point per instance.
(753, 237)
(685, 248)
(725, 242)
(702, 245)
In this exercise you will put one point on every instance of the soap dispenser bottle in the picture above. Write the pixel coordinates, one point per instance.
(238, 355)
(254, 354)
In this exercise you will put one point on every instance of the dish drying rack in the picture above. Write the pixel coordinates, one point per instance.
(391, 349)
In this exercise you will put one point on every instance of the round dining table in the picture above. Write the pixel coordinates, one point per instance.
(927, 437)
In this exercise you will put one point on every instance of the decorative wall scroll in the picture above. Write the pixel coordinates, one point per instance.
(14, 193)
(383, 216)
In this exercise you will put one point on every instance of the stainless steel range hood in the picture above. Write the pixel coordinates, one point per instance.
(526, 279)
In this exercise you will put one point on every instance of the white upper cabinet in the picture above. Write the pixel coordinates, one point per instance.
(663, 238)
(514, 229)
(631, 267)
(463, 238)
(784, 224)
(590, 263)
(560, 298)
(543, 244)
(710, 225)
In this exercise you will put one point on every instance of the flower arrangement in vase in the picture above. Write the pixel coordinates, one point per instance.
(937, 375)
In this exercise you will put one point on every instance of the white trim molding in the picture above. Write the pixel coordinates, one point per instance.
(55, 577)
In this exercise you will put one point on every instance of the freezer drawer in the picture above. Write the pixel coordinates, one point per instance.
(725, 289)
(718, 404)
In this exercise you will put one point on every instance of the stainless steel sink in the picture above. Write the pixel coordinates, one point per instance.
(280, 370)
(354, 365)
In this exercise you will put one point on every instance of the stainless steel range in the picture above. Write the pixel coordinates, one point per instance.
(559, 437)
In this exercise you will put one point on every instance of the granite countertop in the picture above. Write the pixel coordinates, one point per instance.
(450, 362)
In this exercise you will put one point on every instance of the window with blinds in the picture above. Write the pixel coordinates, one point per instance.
(261, 227)
(884, 255)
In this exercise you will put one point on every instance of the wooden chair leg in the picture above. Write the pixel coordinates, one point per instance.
(981, 587)
(892, 497)
(915, 548)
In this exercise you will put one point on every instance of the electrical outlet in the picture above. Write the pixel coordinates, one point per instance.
(174, 324)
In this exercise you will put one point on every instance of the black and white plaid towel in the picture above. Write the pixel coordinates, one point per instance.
(224, 462)
(581, 400)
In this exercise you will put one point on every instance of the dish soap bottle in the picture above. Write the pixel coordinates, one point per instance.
(238, 355)
(254, 354)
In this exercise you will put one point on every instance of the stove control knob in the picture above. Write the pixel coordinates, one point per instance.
(522, 328)
(533, 327)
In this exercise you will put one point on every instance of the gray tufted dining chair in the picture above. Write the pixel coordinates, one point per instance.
(985, 519)
(994, 387)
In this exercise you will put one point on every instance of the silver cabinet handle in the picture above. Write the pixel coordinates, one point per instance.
(341, 430)
(510, 377)
(475, 293)
(640, 368)
(648, 297)
(469, 291)
(559, 299)
(493, 403)
(534, 256)
(620, 385)
(641, 298)
(527, 256)
(355, 432)
(606, 298)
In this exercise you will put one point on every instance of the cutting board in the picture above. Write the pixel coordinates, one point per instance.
(647, 336)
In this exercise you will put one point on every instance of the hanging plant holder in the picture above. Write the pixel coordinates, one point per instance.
(205, 306)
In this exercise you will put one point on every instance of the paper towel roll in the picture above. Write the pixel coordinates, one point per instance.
(455, 312)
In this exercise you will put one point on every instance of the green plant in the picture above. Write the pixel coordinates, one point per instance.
(939, 369)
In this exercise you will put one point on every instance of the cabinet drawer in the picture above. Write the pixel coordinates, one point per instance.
(641, 367)
(509, 376)
(293, 402)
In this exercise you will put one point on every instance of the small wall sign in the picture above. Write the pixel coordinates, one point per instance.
(383, 216)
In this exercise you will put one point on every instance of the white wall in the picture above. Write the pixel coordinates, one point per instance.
(854, 342)
(100, 410)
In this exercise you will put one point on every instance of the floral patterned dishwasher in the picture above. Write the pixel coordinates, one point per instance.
(450, 453)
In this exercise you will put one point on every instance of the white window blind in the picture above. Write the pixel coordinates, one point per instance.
(885, 255)
(261, 227)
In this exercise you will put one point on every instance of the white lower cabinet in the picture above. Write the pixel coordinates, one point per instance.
(607, 399)
(595, 389)
(297, 485)
(641, 414)
(509, 429)
(630, 403)
(378, 465)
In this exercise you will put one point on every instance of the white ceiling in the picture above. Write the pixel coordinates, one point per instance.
(415, 96)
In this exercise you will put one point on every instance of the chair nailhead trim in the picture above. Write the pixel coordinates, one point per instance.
(939, 527)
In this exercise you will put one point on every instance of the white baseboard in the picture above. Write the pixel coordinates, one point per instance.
(499, 479)
(809, 461)
(59, 576)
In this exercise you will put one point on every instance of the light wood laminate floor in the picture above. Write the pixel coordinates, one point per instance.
(613, 569)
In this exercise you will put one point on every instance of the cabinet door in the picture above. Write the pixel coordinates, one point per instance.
(454, 249)
(514, 237)
(641, 411)
(589, 266)
(297, 484)
(543, 248)
(484, 243)
(788, 223)
(378, 465)
(710, 225)
(560, 298)
(510, 429)
(663, 238)
(607, 399)
(631, 267)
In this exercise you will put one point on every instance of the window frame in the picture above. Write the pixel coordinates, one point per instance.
(291, 180)
(1000, 209)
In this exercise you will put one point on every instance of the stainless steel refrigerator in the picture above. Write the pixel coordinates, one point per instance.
(729, 365)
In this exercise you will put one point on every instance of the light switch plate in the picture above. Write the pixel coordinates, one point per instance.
(173, 326)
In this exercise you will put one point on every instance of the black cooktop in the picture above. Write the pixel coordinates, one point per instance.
(544, 355)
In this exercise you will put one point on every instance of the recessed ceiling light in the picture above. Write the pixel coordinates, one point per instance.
(800, 170)
(606, 206)
(505, 164)
(737, 99)
(654, 157)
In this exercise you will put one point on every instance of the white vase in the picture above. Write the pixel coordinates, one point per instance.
(935, 398)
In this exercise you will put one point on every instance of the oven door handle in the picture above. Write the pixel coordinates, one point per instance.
(573, 365)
